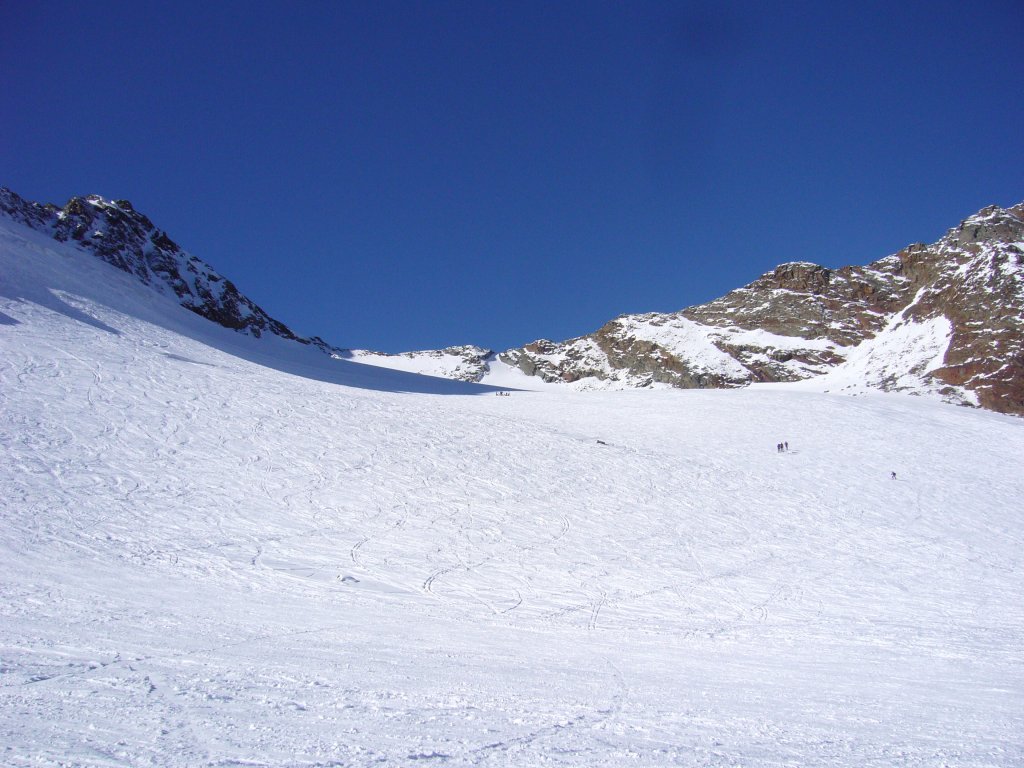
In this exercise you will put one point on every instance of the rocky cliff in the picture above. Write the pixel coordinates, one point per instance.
(946, 318)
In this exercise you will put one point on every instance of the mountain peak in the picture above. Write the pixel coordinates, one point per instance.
(115, 232)
(991, 223)
(945, 318)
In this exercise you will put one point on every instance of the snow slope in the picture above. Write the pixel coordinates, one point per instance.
(217, 551)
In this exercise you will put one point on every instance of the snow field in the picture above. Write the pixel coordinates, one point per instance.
(206, 561)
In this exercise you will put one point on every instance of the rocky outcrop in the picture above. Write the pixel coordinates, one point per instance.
(978, 285)
(946, 318)
(128, 240)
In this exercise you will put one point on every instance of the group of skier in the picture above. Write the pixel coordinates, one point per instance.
(783, 447)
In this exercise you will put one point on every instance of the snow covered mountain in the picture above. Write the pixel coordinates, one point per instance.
(464, 363)
(945, 318)
(125, 238)
(224, 550)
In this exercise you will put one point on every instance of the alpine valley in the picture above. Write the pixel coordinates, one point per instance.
(223, 544)
(945, 319)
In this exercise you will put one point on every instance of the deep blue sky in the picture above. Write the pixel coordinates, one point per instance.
(412, 175)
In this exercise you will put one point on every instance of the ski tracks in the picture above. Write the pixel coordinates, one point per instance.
(577, 734)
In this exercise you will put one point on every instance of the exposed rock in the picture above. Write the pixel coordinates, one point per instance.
(803, 320)
(128, 240)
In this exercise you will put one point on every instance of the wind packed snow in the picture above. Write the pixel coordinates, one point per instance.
(768, 340)
(442, 363)
(223, 551)
(901, 354)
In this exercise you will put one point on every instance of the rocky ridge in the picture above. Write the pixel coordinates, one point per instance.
(117, 233)
(946, 318)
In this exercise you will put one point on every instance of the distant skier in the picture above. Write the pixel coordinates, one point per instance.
(786, 444)
(893, 475)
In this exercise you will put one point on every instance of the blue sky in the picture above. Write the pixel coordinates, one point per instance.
(412, 175)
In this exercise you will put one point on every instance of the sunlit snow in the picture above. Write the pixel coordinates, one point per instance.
(224, 551)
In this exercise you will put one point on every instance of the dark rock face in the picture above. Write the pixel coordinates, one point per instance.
(802, 320)
(128, 240)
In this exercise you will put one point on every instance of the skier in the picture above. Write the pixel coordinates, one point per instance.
(786, 444)
(893, 475)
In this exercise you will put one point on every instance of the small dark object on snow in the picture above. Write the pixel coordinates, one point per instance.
(893, 475)
(601, 442)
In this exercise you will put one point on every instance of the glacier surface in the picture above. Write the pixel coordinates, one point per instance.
(226, 551)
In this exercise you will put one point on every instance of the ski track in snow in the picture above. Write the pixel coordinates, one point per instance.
(209, 563)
